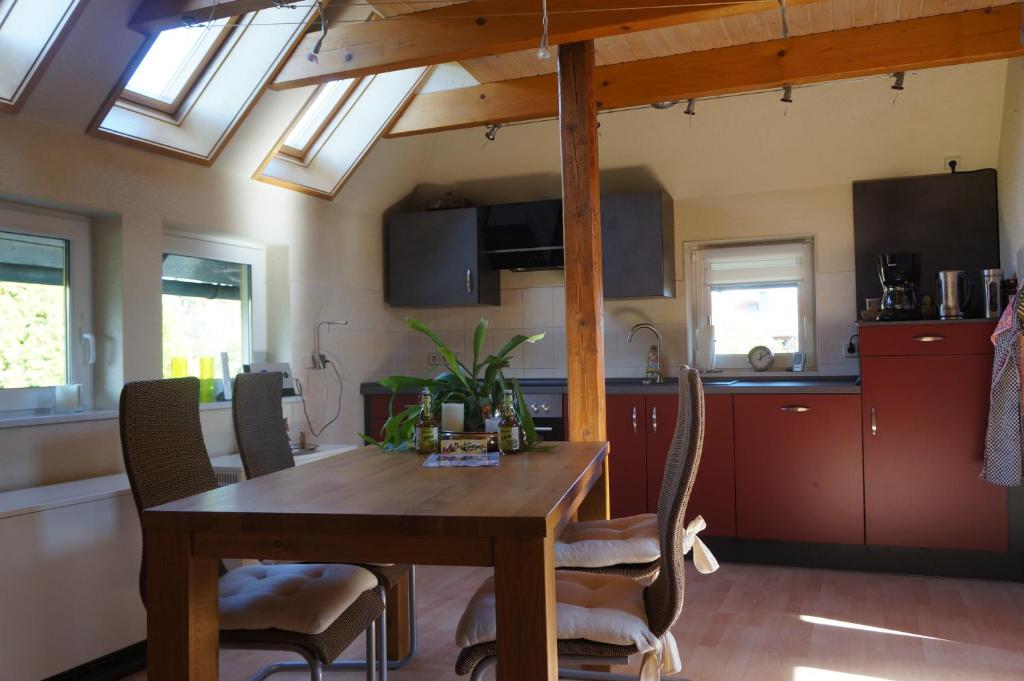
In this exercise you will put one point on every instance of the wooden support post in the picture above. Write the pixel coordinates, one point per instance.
(584, 288)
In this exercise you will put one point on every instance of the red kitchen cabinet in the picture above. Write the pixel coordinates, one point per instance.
(924, 421)
(798, 468)
(714, 492)
(627, 461)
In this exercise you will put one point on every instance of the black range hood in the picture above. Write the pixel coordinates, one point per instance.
(523, 236)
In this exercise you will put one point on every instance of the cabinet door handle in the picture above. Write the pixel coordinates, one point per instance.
(929, 338)
(635, 430)
(798, 408)
(874, 421)
(654, 419)
(469, 281)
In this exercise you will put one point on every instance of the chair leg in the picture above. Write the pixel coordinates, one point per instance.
(371, 651)
(382, 627)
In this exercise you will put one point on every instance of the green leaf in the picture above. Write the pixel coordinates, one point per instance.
(417, 325)
(479, 336)
(525, 418)
(518, 340)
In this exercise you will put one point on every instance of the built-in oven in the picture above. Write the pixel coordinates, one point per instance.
(546, 411)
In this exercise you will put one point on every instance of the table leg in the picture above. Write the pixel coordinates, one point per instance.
(181, 610)
(595, 505)
(399, 624)
(524, 583)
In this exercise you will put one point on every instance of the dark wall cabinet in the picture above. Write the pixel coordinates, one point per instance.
(435, 260)
(438, 258)
(638, 257)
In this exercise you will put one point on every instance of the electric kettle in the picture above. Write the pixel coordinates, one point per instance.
(953, 292)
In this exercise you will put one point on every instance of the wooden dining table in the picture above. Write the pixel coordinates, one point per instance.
(372, 506)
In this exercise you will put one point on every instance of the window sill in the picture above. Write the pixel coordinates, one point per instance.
(22, 419)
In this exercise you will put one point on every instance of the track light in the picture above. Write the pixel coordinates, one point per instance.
(661, 106)
(785, 22)
(492, 131)
(898, 83)
(543, 52)
(314, 55)
(787, 94)
(690, 107)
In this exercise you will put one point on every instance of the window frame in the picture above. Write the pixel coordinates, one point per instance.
(207, 64)
(301, 153)
(75, 230)
(699, 298)
(254, 315)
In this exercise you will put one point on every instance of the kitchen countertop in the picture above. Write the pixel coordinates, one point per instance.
(713, 384)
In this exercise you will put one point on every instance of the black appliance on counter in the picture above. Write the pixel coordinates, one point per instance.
(950, 219)
(900, 274)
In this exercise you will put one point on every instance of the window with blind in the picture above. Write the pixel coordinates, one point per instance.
(746, 295)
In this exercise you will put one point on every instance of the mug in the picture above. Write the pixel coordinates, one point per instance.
(67, 398)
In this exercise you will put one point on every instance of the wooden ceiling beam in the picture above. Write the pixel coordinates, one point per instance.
(485, 27)
(154, 16)
(944, 40)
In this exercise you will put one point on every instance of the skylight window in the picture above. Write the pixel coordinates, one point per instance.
(30, 31)
(174, 63)
(315, 117)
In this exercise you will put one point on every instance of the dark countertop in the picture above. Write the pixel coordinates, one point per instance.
(713, 384)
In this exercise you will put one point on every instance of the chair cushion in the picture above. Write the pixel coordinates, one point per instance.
(603, 543)
(603, 608)
(301, 597)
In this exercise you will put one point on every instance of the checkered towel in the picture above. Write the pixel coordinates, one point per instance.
(1003, 441)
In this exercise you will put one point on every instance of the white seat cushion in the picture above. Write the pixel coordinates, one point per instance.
(603, 543)
(602, 608)
(300, 597)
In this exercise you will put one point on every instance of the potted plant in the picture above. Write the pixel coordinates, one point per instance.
(474, 386)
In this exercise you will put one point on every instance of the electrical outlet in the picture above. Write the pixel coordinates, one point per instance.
(851, 348)
(435, 359)
(948, 159)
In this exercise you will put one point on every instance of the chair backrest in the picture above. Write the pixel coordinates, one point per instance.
(664, 597)
(162, 442)
(259, 424)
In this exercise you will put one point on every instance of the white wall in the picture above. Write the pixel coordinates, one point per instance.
(744, 167)
(324, 257)
(1011, 171)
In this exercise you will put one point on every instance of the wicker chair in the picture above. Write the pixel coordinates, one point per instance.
(166, 460)
(663, 599)
(264, 448)
(643, 572)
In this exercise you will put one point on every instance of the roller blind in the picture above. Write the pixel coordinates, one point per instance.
(755, 264)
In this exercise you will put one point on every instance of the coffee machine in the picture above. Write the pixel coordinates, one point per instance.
(900, 274)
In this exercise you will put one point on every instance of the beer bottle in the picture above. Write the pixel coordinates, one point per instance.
(509, 434)
(426, 430)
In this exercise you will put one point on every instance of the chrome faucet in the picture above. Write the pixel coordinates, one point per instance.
(653, 371)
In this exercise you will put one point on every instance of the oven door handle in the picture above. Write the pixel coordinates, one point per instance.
(543, 429)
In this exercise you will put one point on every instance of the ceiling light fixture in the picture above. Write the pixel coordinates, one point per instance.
(787, 94)
(785, 22)
(543, 52)
(898, 84)
(661, 106)
(492, 131)
(312, 56)
(690, 107)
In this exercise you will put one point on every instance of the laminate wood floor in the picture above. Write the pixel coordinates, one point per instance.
(758, 623)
